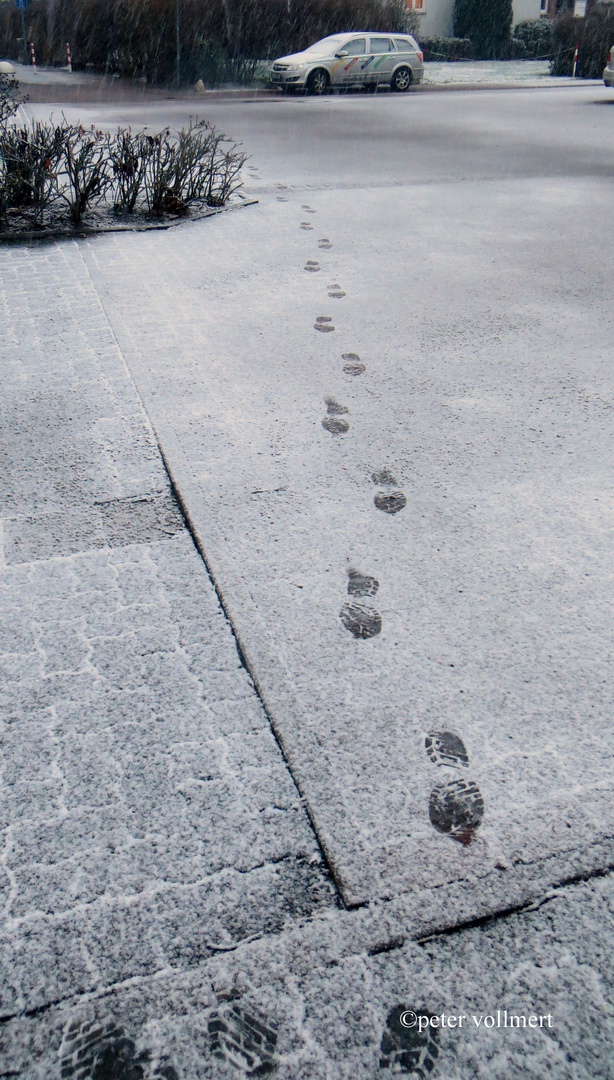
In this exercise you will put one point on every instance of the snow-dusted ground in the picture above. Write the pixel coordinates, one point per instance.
(445, 244)
(527, 72)
(25, 73)
(438, 73)
(456, 244)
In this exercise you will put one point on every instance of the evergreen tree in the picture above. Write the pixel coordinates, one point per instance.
(488, 23)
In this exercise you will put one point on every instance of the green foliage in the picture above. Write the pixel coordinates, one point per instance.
(439, 48)
(595, 37)
(488, 23)
(536, 37)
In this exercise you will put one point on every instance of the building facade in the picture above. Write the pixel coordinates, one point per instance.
(437, 16)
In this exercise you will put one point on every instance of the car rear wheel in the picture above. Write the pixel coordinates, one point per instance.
(401, 80)
(318, 81)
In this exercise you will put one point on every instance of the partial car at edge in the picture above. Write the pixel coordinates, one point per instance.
(358, 59)
(608, 71)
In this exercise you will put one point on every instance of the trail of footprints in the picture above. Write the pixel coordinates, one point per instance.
(456, 806)
(307, 224)
(240, 1035)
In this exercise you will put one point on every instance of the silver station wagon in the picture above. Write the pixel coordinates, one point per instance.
(358, 59)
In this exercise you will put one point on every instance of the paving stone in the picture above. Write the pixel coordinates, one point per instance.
(130, 840)
(324, 1000)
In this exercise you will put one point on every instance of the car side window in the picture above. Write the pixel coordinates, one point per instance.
(402, 46)
(356, 47)
(381, 44)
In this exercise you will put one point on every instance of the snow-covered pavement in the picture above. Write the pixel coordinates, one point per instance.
(383, 397)
(475, 72)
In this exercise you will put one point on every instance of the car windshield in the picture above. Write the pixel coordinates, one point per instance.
(326, 45)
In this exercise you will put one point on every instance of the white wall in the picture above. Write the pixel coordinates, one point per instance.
(437, 18)
(526, 9)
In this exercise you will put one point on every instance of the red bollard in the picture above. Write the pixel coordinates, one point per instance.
(68, 58)
(32, 55)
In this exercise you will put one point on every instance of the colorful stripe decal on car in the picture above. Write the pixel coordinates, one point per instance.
(348, 66)
(366, 63)
(383, 57)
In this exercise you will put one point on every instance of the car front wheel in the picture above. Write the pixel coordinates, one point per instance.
(401, 80)
(318, 81)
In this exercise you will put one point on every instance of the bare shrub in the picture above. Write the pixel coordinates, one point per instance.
(196, 163)
(31, 156)
(9, 97)
(226, 175)
(45, 164)
(209, 164)
(160, 178)
(86, 165)
(128, 155)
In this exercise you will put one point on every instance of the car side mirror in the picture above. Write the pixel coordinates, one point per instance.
(341, 54)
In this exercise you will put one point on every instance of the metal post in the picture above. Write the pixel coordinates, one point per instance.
(24, 35)
(68, 58)
(178, 41)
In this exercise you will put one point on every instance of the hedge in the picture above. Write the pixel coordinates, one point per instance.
(595, 36)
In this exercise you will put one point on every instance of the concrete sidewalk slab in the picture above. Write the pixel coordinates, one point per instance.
(490, 583)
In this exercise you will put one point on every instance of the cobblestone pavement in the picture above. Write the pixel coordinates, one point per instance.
(520, 998)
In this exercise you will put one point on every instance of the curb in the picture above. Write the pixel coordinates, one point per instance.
(84, 95)
(83, 231)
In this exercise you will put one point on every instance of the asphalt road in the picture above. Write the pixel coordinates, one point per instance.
(360, 141)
